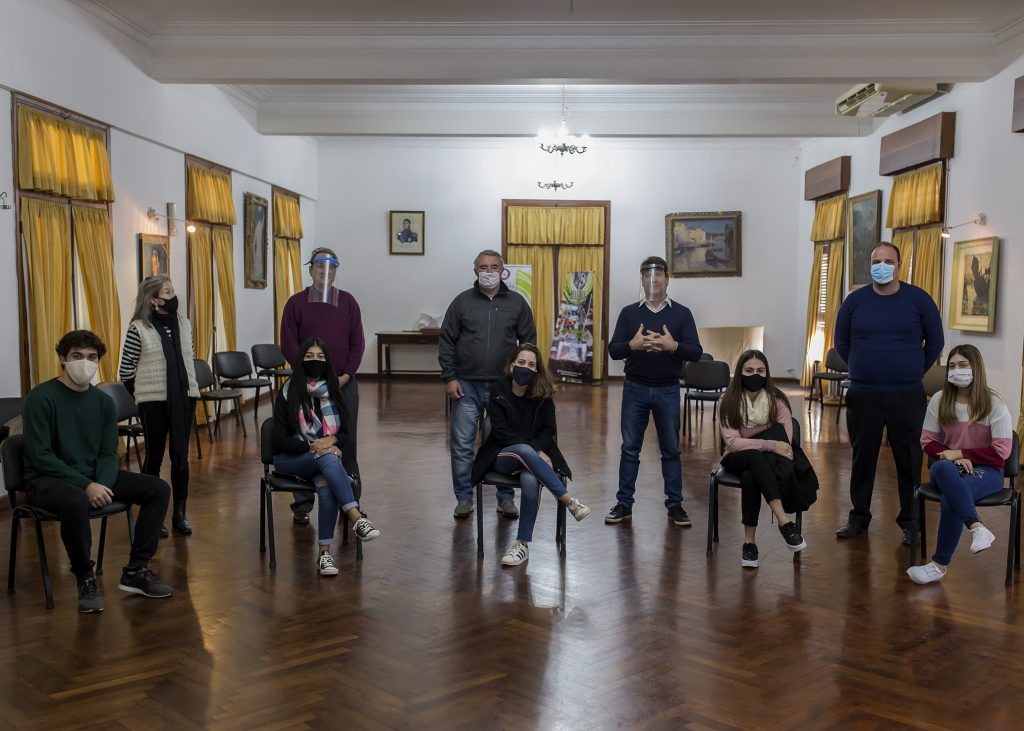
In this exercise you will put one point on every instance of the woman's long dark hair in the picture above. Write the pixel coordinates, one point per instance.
(298, 396)
(731, 406)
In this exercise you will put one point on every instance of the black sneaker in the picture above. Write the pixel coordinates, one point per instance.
(618, 514)
(142, 581)
(794, 541)
(908, 536)
(300, 517)
(678, 516)
(89, 599)
(749, 558)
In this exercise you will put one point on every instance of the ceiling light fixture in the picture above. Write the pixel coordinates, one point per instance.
(555, 185)
(561, 141)
(172, 218)
(981, 220)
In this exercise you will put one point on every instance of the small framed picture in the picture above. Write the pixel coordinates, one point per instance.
(255, 241)
(154, 256)
(704, 244)
(972, 302)
(406, 232)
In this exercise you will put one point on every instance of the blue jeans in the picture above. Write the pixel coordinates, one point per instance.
(638, 403)
(333, 487)
(465, 419)
(959, 493)
(533, 471)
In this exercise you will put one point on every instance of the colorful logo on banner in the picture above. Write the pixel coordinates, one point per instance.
(572, 345)
(519, 278)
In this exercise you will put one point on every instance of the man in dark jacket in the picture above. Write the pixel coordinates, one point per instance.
(480, 328)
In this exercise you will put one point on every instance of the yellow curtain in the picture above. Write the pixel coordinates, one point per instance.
(572, 226)
(928, 262)
(48, 244)
(588, 259)
(916, 197)
(63, 158)
(223, 252)
(95, 249)
(208, 196)
(811, 353)
(904, 241)
(287, 277)
(287, 219)
(829, 219)
(541, 258)
(199, 247)
(833, 292)
(1020, 418)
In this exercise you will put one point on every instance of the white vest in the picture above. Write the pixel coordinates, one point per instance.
(151, 373)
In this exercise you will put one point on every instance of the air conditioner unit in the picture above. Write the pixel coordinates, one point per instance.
(881, 100)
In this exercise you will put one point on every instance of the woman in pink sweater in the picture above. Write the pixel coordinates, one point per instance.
(967, 432)
(757, 429)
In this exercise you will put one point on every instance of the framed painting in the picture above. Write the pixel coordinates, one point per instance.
(406, 234)
(255, 241)
(863, 232)
(972, 299)
(704, 244)
(154, 255)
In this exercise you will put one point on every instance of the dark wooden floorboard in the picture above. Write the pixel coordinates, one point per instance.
(635, 629)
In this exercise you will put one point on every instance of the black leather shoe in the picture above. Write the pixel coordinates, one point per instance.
(907, 535)
(300, 517)
(851, 530)
(163, 531)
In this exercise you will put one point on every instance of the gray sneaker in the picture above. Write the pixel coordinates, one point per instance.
(508, 509)
(463, 508)
(89, 599)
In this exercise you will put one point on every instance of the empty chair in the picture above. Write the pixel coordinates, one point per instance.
(934, 379)
(836, 371)
(10, 409)
(705, 381)
(270, 363)
(128, 424)
(209, 394)
(233, 369)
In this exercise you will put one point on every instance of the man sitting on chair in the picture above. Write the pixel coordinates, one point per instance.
(71, 466)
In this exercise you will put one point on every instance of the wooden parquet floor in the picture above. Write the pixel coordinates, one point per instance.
(635, 629)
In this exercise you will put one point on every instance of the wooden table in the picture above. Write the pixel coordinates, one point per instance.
(403, 337)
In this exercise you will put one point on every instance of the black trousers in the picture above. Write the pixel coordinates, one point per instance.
(757, 478)
(901, 414)
(163, 421)
(59, 496)
(350, 409)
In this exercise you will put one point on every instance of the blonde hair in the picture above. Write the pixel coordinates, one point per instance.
(542, 386)
(149, 288)
(979, 398)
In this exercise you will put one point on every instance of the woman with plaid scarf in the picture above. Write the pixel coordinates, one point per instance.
(309, 442)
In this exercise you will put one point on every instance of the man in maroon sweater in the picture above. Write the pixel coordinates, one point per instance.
(326, 312)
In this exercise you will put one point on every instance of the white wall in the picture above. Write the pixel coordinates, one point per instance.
(984, 177)
(460, 185)
(153, 127)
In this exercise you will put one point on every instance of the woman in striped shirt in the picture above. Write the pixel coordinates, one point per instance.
(157, 368)
(967, 432)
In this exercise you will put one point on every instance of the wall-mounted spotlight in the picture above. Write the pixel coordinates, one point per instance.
(172, 218)
(981, 220)
(3, 201)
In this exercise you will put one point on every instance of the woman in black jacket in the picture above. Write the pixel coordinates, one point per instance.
(522, 442)
(309, 439)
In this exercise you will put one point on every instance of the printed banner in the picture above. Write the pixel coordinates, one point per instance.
(519, 278)
(572, 345)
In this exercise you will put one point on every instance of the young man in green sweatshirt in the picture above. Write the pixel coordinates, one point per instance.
(71, 466)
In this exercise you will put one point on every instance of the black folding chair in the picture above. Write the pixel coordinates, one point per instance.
(721, 476)
(12, 452)
(233, 369)
(500, 479)
(273, 481)
(128, 424)
(216, 396)
(706, 380)
(836, 371)
(270, 363)
(1007, 497)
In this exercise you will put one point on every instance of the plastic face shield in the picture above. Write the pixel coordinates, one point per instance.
(653, 283)
(323, 269)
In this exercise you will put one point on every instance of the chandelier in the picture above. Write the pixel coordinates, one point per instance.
(561, 141)
(555, 185)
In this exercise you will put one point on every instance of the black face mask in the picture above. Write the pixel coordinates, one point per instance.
(314, 369)
(171, 305)
(523, 375)
(754, 382)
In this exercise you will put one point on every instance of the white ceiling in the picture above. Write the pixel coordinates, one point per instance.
(637, 68)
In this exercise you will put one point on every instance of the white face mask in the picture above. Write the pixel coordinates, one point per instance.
(81, 371)
(961, 377)
(488, 280)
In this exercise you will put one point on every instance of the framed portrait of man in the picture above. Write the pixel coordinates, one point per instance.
(406, 234)
(154, 256)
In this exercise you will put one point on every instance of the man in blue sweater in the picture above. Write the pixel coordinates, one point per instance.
(655, 337)
(889, 334)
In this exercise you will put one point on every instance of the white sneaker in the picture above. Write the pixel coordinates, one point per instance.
(326, 565)
(365, 530)
(926, 574)
(579, 510)
(516, 554)
(981, 538)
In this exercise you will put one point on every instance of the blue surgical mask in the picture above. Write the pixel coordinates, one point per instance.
(882, 273)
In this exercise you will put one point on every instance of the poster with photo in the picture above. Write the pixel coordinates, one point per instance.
(572, 344)
(519, 278)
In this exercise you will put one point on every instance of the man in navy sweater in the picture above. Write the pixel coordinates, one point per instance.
(655, 337)
(889, 334)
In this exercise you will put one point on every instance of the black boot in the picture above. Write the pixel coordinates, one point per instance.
(178, 519)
